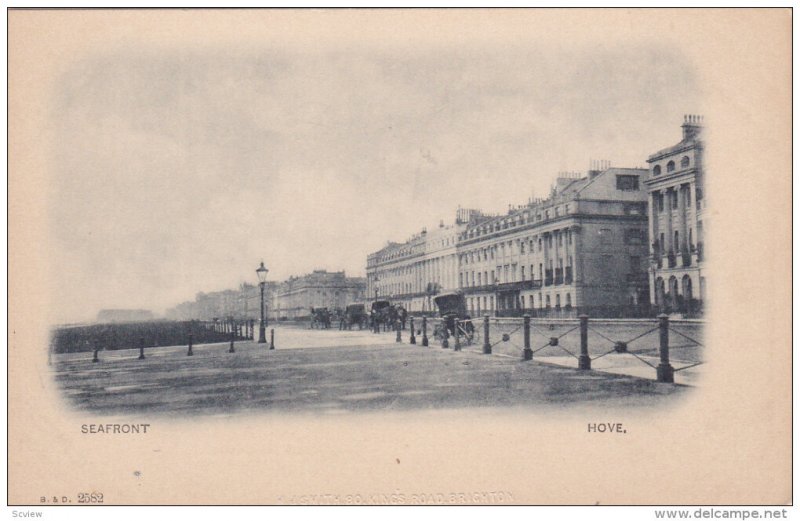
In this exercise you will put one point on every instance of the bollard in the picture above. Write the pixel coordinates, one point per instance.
(272, 339)
(233, 337)
(487, 347)
(424, 331)
(95, 359)
(141, 348)
(584, 362)
(190, 353)
(527, 353)
(664, 371)
(457, 344)
(413, 339)
(397, 327)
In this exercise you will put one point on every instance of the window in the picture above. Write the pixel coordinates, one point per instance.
(688, 197)
(479, 278)
(660, 199)
(634, 236)
(657, 170)
(684, 161)
(627, 182)
(671, 166)
(522, 273)
(557, 211)
(547, 214)
(569, 301)
(674, 198)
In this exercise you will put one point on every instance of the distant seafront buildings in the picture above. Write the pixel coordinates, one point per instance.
(615, 242)
(291, 299)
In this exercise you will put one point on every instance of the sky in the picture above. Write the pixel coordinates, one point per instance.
(178, 172)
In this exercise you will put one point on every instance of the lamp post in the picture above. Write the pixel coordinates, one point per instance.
(262, 281)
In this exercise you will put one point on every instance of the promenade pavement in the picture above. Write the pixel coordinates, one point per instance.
(334, 372)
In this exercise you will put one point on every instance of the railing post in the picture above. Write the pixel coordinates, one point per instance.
(272, 338)
(413, 339)
(457, 345)
(397, 328)
(141, 348)
(487, 347)
(424, 331)
(584, 362)
(664, 371)
(527, 352)
(233, 338)
(190, 353)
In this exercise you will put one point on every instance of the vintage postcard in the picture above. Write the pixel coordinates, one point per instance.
(399, 257)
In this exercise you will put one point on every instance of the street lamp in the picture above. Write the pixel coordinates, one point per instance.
(262, 281)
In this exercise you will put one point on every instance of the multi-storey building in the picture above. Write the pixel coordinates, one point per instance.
(413, 272)
(677, 211)
(296, 296)
(582, 248)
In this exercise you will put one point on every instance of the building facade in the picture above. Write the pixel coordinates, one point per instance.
(583, 249)
(412, 273)
(677, 217)
(296, 296)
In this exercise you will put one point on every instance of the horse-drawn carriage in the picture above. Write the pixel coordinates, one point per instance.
(382, 313)
(320, 318)
(453, 310)
(355, 314)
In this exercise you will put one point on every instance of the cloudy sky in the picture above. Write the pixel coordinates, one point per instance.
(177, 172)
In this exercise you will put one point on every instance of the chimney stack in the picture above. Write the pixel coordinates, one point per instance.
(692, 126)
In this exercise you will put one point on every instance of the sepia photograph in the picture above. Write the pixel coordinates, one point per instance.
(399, 257)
